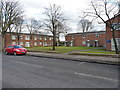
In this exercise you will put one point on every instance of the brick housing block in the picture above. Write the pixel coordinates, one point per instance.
(27, 41)
(98, 38)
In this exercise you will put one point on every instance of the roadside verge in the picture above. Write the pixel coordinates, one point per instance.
(98, 54)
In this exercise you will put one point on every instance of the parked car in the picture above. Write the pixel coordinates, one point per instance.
(15, 49)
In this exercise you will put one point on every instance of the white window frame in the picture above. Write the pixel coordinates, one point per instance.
(13, 37)
(45, 43)
(21, 43)
(116, 26)
(118, 44)
(40, 43)
(27, 44)
(27, 37)
(50, 38)
(45, 38)
(72, 37)
(83, 36)
(40, 38)
(35, 38)
(13, 43)
(84, 42)
(35, 43)
(57, 39)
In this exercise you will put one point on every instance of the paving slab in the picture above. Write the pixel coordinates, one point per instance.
(85, 58)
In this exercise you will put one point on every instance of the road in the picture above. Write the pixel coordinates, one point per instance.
(36, 72)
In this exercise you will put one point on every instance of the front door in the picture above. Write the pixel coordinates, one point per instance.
(88, 44)
(96, 43)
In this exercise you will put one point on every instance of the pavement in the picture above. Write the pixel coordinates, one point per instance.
(85, 58)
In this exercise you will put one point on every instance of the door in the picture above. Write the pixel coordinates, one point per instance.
(113, 46)
(10, 49)
(96, 43)
(88, 44)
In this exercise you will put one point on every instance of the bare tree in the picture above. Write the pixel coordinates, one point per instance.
(9, 11)
(33, 27)
(62, 28)
(105, 9)
(84, 25)
(18, 25)
(54, 17)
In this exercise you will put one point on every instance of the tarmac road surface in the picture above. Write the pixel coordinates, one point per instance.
(36, 72)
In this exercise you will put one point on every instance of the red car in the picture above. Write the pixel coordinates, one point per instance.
(15, 49)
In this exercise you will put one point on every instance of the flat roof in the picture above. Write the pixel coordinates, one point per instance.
(86, 33)
(31, 34)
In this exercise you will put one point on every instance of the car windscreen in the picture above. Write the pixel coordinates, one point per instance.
(17, 46)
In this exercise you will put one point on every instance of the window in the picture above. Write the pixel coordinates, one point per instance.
(21, 43)
(50, 43)
(88, 40)
(40, 38)
(13, 43)
(112, 44)
(17, 46)
(50, 38)
(35, 43)
(27, 38)
(45, 38)
(84, 37)
(116, 26)
(57, 39)
(72, 37)
(35, 38)
(84, 42)
(40, 43)
(27, 44)
(21, 37)
(13, 37)
(71, 43)
(45, 43)
(10, 47)
(97, 35)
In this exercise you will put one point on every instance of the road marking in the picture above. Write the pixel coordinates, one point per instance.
(81, 63)
(88, 75)
(29, 64)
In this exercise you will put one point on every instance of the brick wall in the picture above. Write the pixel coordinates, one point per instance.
(87, 39)
(104, 39)
(109, 32)
(36, 40)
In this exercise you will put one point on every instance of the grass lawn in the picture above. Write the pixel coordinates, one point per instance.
(63, 49)
(59, 49)
(98, 52)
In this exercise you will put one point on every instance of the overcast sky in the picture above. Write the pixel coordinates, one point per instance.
(71, 9)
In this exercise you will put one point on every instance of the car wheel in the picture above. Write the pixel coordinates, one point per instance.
(6, 53)
(15, 54)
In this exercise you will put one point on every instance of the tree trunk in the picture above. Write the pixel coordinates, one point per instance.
(31, 41)
(54, 40)
(10, 38)
(10, 30)
(18, 39)
(3, 41)
(113, 36)
(0, 42)
(115, 43)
